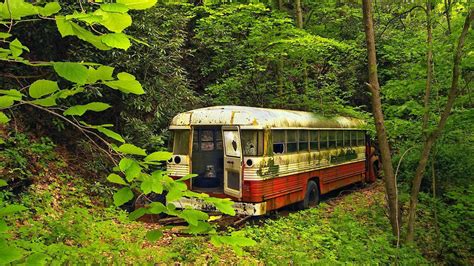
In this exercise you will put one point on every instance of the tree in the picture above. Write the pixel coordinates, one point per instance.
(374, 87)
(433, 136)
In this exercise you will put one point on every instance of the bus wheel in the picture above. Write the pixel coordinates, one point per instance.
(311, 197)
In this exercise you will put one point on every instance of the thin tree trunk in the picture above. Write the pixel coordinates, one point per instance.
(429, 68)
(433, 136)
(447, 12)
(374, 87)
(298, 14)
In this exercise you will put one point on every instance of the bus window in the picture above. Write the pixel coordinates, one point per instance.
(323, 140)
(181, 142)
(232, 143)
(252, 142)
(314, 140)
(354, 139)
(292, 141)
(339, 138)
(278, 137)
(207, 140)
(303, 140)
(347, 138)
(361, 138)
(332, 139)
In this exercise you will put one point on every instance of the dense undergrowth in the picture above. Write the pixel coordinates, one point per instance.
(68, 219)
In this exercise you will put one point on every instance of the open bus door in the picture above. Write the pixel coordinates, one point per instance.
(232, 161)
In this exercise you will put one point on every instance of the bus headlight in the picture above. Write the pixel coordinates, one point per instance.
(177, 159)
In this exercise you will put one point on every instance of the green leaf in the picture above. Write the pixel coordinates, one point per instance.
(114, 178)
(117, 40)
(73, 72)
(9, 254)
(64, 26)
(81, 109)
(3, 226)
(192, 217)
(9, 209)
(130, 168)
(63, 94)
(16, 9)
(200, 228)
(42, 87)
(152, 184)
(4, 118)
(137, 214)
(154, 235)
(223, 205)
(36, 259)
(114, 7)
(174, 193)
(137, 4)
(113, 21)
(156, 208)
(125, 76)
(4, 35)
(158, 156)
(13, 93)
(46, 102)
(102, 73)
(3, 183)
(111, 134)
(186, 177)
(131, 149)
(123, 196)
(126, 86)
(69, 28)
(17, 48)
(7, 101)
(49, 9)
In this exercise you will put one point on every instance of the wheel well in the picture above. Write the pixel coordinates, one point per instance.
(315, 179)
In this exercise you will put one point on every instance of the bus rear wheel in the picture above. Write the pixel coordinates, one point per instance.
(311, 197)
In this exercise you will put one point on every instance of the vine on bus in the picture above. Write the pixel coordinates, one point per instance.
(136, 170)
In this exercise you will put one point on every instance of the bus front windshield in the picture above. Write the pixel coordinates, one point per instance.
(181, 142)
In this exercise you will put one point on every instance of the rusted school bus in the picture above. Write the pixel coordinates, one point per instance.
(265, 159)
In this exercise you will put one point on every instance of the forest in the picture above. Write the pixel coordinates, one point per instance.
(89, 90)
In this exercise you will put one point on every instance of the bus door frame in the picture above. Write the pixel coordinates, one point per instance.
(232, 163)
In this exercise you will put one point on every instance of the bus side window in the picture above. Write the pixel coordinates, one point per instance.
(292, 141)
(181, 142)
(303, 140)
(323, 139)
(339, 139)
(354, 139)
(332, 139)
(314, 140)
(252, 141)
(278, 137)
(361, 138)
(347, 138)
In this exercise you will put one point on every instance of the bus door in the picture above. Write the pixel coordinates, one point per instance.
(232, 161)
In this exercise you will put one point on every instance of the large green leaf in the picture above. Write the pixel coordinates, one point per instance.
(17, 48)
(158, 156)
(126, 86)
(111, 134)
(13, 93)
(123, 196)
(114, 7)
(73, 72)
(102, 73)
(47, 102)
(113, 21)
(42, 87)
(3, 183)
(117, 40)
(137, 4)
(7, 101)
(157, 208)
(152, 184)
(193, 216)
(137, 214)
(131, 149)
(114, 178)
(49, 9)
(223, 205)
(69, 28)
(130, 168)
(16, 9)
(82, 109)
(154, 235)
(9, 254)
(4, 118)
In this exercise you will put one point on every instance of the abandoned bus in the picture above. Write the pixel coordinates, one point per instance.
(264, 159)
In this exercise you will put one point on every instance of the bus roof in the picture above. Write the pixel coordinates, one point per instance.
(259, 118)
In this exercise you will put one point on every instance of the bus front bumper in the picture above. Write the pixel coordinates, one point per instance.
(243, 208)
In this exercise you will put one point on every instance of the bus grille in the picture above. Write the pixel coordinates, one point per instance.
(178, 169)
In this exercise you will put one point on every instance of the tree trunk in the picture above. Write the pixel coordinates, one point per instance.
(447, 12)
(298, 14)
(429, 69)
(374, 87)
(433, 136)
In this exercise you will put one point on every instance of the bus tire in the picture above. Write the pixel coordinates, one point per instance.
(311, 197)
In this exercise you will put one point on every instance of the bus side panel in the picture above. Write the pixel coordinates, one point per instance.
(282, 191)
